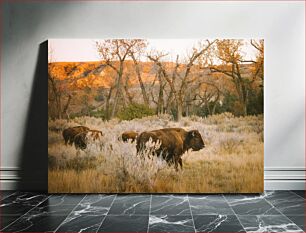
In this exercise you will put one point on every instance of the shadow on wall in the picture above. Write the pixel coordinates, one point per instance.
(34, 159)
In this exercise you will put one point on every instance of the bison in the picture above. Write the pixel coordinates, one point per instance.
(129, 135)
(174, 143)
(82, 139)
(70, 133)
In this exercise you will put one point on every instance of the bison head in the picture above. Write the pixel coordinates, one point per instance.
(194, 140)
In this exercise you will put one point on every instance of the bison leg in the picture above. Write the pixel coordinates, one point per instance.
(78, 153)
(175, 161)
(178, 161)
(176, 165)
(70, 141)
(181, 163)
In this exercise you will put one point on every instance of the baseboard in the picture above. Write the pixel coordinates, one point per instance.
(284, 184)
(284, 178)
(10, 179)
(276, 178)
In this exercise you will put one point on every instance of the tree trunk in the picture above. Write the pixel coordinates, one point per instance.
(160, 105)
(58, 106)
(143, 90)
(179, 112)
(57, 97)
(126, 89)
(66, 106)
(187, 110)
(208, 108)
(245, 106)
(169, 102)
(107, 107)
(243, 96)
(215, 103)
(118, 89)
(188, 104)
(179, 108)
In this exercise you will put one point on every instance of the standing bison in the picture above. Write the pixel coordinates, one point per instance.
(70, 133)
(82, 139)
(174, 143)
(129, 135)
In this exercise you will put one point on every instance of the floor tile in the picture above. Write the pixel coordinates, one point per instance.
(35, 223)
(21, 202)
(81, 223)
(266, 212)
(124, 223)
(130, 204)
(217, 223)
(301, 193)
(266, 223)
(5, 194)
(50, 207)
(286, 202)
(19, 197)
(166, 223)
(95, 204)
(170, 205)
(209, 205)
(7, 220)
(299, 220)
(250, 205)
(58, 199)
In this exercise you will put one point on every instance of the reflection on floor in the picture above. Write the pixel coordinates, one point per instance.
(273, 211)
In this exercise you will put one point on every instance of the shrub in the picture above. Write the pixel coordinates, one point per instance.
(135, 111)
(229, 145)
(131, 168)
(256, 105)
(116, 167)
(99, 98)
(52, 162)
(81, 163)
(77, 163)
(98, 113)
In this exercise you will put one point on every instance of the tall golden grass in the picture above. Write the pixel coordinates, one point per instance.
(231, 162)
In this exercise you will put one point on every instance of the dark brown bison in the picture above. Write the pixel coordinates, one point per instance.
(82, 139)
(129, 135)
(174, 143)
(70, 133)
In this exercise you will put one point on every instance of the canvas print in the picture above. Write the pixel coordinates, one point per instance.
(155, 115)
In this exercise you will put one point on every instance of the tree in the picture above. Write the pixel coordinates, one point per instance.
(56, 94)
(209, 96)
(129, 95)
(179, 77)
(136, 52)
(230, 56)
(259, 63)
(256, 97)
(114, 53)
(107, 105)
(160, 103)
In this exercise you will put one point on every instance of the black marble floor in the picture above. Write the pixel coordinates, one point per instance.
(273, 211)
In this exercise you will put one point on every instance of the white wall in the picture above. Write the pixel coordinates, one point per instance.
(26, 25)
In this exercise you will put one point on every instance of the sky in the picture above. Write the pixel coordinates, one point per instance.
(81, 50)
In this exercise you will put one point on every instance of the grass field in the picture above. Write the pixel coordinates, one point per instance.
(231, 162)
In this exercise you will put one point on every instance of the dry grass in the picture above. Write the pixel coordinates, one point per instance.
(232, 160)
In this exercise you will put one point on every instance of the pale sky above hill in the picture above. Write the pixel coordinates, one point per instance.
(80, 50)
